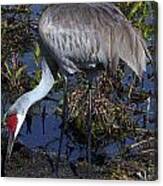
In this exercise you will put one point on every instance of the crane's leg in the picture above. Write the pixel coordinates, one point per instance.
(89, 127)
(65, 111)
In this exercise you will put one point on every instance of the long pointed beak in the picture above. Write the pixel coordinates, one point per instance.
(11, 141)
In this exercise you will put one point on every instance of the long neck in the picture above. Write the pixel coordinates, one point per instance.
(44, 86)
(23, 103)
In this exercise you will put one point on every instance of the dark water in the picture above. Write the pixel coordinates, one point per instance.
(50, 138)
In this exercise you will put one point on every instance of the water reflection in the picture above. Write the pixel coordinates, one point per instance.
(45, 128)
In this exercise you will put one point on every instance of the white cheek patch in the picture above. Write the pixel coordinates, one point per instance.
(20, 123)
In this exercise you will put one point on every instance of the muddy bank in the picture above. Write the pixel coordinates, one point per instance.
(41, 164)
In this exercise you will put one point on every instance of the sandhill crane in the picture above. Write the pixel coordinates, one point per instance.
(88, 38)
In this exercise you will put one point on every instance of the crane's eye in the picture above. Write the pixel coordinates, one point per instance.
(11, 122)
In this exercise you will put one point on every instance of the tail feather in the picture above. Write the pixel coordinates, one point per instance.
(132, 48)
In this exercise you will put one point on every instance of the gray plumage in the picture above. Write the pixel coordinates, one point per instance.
(81, 37)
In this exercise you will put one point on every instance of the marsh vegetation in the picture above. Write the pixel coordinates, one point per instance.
(124, 129)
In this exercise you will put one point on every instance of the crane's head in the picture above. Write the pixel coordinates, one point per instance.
(13, 122)
(16, 114)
